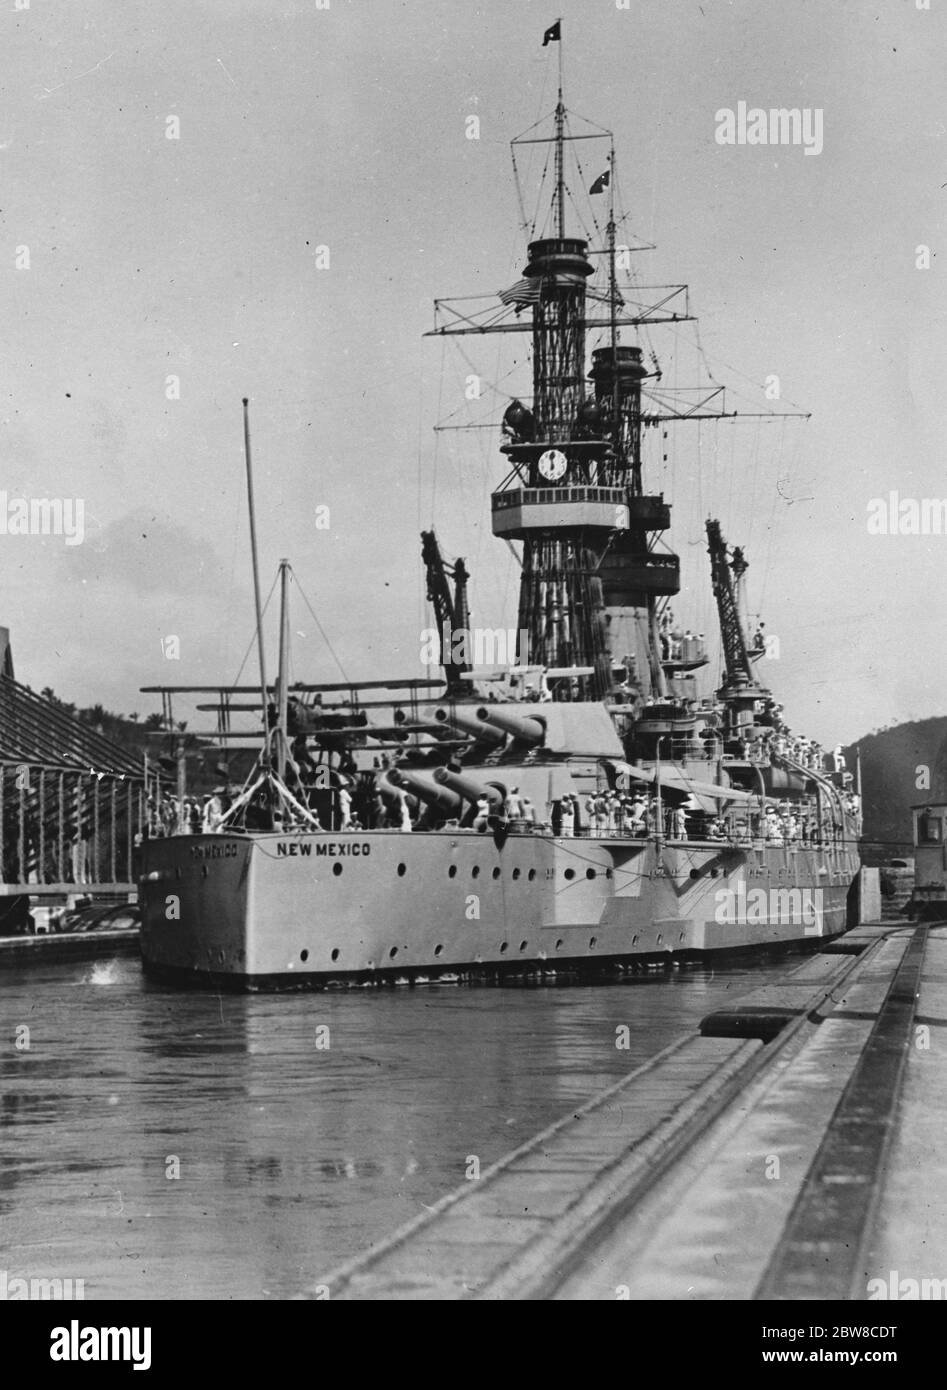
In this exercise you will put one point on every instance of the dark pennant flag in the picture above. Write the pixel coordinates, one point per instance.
(602, 182)
(553, 34)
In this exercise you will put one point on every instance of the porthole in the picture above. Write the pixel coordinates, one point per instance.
(393, 952)
(336, 869)
(438, 949)
(452, 871)
(523, 945)
(695, 873)
(516, 873)
(531, 875)
(304, 955)
(402, 870)
(504, 947)
(475, 871)
(634, 940)
(593, 942)
(496, 872)
(590, 873)
(335, 953)
(559, 944)
(660, 939)
(570, 873)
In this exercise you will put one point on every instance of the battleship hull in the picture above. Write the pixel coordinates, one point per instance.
(265, 910)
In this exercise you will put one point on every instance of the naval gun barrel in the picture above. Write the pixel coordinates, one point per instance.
(470, 787)
(443, 799)
(467, 722)
(389, 791)
(422, 724)
(522, 726)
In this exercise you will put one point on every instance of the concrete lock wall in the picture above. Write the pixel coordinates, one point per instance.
(869, 895)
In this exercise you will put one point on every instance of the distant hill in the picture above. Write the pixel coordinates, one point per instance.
(901, 766)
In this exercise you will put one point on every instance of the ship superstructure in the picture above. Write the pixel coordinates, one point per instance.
(582, 805)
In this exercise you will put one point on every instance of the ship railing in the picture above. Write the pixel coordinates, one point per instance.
(517, 497)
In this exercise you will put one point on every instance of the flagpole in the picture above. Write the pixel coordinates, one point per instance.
(559, 22)
(265, 754)
(613, 298)
(560, 122)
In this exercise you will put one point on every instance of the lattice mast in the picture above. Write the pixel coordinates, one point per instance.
(575, 497)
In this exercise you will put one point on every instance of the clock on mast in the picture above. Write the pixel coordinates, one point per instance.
(552, 465)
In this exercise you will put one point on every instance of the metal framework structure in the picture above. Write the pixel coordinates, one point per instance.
(739, 669)
(591, 577)
(451, 610)
(585, 554)
(71, 801)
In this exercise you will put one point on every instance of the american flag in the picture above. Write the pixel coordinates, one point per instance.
(523, 292)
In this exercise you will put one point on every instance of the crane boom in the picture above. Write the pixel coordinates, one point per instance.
(739, 671)
(450, 609)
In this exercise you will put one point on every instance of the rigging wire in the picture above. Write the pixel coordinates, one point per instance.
(252, 643)
(421, 589)
(322, 630)
(437, 438)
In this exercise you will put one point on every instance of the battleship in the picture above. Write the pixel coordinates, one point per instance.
(582, 807)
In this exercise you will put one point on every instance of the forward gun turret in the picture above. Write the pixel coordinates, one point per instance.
(470, 787)
(523, 727)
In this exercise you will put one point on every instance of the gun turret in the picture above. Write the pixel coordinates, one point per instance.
(423, 725)
(470, 788)
(522, 726)
(467, 722)
(443, 799)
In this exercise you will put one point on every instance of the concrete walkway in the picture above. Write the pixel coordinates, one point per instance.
(725, 1168)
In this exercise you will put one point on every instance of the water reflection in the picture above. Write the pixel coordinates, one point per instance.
(166, 1145)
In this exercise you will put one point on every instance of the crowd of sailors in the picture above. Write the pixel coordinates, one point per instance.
(633, 815)
(758, 737)
(354, 800)
(192, 815)
(637, 815)
(770, 736)
(679, 644)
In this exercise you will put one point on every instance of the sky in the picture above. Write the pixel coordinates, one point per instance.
(166, 278)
